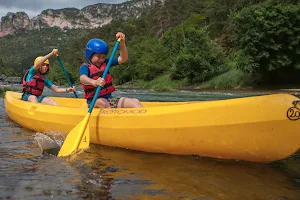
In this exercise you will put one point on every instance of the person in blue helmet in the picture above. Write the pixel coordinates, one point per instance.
(91, 75)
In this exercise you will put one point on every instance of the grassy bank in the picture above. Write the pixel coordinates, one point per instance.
(233, 79)
(160, 84)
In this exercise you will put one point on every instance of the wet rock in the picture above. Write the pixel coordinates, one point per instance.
(45, 142)
(9, 80)
(109, 169)
(2, 77)
(4, 83)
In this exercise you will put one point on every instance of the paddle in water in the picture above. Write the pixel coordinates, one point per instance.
(79, 137)
(66, 74)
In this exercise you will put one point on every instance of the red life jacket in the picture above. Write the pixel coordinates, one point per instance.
(95, 73)
(35, 86)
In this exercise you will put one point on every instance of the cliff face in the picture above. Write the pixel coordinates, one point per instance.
(12, 22)
(71, 18)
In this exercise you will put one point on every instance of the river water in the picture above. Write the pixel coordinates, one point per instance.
(27, 172)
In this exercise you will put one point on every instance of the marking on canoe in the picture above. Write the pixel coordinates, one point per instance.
(121, 112)
(293, 113)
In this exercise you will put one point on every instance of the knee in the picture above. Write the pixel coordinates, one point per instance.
(101, 104)
(49, 101)
(33, 99)
(52, 102)
(136, 102)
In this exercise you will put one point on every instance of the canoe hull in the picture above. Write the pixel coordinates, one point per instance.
(244, 129)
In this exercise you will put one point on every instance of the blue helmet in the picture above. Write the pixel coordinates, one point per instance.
(95, 46)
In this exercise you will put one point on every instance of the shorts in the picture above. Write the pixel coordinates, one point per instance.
(113, 101)
(26, 95)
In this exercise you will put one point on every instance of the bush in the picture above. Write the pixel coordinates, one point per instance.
(268, 35)
(195, 56)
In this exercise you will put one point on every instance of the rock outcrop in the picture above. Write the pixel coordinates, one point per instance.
(89, 17)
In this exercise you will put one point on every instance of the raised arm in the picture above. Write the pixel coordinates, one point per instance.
(123, 50)
(40, 62)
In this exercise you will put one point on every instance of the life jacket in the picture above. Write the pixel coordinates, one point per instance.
(35, 86)
(95, 73)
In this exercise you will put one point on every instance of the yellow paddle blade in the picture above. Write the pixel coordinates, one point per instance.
(85, 141)
(77, 137)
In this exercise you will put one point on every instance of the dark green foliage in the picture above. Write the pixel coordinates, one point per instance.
(268, 35)
(195, 56)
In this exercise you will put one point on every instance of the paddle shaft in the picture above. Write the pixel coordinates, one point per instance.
(104, 75)
(63, 68)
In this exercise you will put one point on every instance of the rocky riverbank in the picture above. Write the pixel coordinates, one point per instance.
(9, 80)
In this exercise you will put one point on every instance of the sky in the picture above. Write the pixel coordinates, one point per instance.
(34, 7)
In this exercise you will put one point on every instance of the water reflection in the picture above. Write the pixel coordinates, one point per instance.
(130, 174)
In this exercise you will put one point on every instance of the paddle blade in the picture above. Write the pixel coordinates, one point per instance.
(85, 141)
(79, 134)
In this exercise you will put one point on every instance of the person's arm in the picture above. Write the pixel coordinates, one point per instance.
(54, 88)
(40, 62)
(84, 79)
(123, 50)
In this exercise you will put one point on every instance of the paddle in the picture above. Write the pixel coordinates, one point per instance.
(63, 68)
(79, 137)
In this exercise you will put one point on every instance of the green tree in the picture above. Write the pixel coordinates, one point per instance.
(195, 56)
(269, 35)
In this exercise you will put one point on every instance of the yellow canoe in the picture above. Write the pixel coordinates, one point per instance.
(259, 129)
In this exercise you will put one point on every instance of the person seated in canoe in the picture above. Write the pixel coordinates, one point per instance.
(91, 75)
(34, 81)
